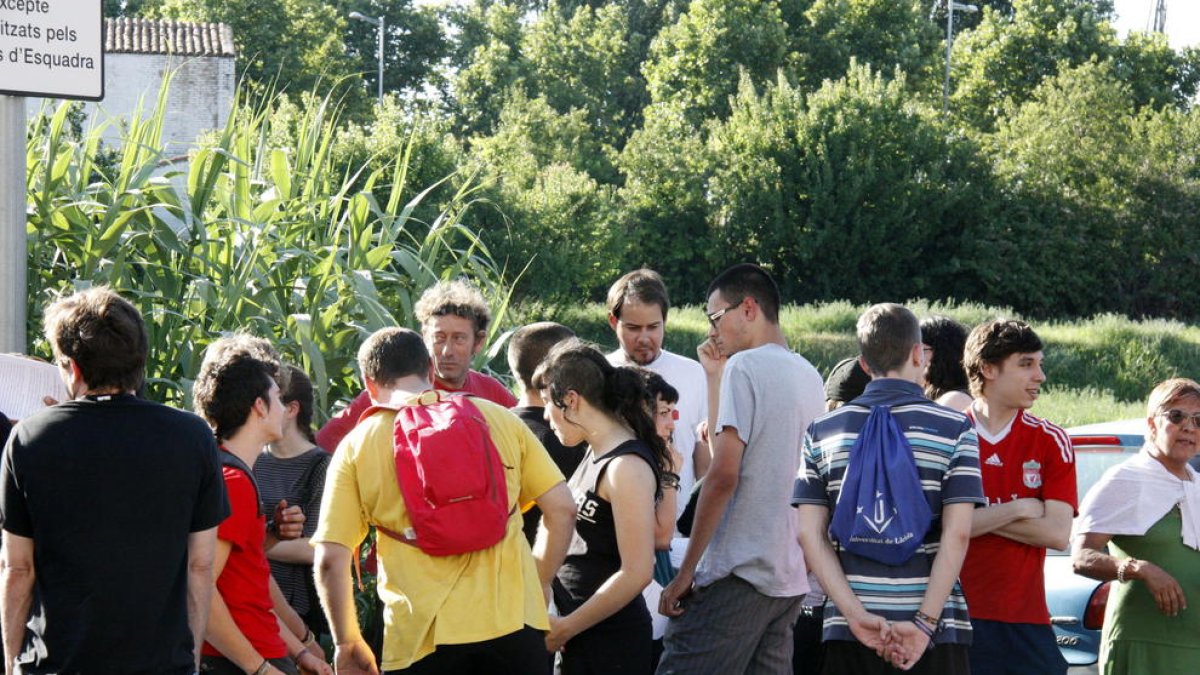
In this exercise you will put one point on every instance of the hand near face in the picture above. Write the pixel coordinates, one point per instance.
(711, 358)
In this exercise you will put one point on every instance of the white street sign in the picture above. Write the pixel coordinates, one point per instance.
(52, 48)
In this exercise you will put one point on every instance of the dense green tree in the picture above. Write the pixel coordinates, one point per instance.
(888, 35)
(293, 44)
(663, 218)
(396, 133)
(414, 44)
(695, 62)
(590, 61)
(1002, 61)
(856, 191)
(493, 65)
(1067, 159)
(116, 8)
(1157, 75)
(549, 210)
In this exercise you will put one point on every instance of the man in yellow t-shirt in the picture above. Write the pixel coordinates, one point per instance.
(479, 612)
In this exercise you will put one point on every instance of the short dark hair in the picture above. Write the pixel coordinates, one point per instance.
(231, 379)
(947, 338)
(573, 365)
(528, 347)
(644, 286)
(886, 335)
(104, 334)
(748, 280)
(659, 388)
(993, 342)
(392, 353)
(299, 390)
(457, 298)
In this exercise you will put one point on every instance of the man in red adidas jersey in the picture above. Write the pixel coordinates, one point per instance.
(454, 320)
(1028, 471)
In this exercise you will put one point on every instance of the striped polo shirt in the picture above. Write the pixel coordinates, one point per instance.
(947, 458)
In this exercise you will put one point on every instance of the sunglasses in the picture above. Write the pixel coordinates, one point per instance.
(1177, 417)
(716, 316)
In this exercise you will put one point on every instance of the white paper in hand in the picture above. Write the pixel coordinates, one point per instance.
(23, 383)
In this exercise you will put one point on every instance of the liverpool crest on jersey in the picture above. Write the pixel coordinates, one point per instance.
(1031, 473)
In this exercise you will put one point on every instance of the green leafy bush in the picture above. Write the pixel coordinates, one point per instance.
(248, 236)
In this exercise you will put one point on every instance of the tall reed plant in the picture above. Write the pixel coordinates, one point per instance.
(249, 234)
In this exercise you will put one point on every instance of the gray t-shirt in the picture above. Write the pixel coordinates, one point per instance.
(769, 394)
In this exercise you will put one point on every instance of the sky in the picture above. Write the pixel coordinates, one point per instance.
(1183, 19)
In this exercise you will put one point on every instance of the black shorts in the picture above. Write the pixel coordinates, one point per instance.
(625, 649)
(519, 653)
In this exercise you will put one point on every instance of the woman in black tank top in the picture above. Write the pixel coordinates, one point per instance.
(604, 625)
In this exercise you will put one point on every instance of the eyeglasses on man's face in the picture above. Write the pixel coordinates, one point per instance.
(715, 317)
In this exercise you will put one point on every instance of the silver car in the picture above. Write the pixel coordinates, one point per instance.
(1077, 603)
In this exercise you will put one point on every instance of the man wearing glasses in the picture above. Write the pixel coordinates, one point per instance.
(737, 594)
(1028, 471)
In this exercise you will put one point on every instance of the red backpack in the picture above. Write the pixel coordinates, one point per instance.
(450, 475)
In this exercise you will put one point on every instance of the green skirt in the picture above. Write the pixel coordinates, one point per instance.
(1132, 657)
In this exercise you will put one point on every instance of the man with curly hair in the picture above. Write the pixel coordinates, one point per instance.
(454, 320)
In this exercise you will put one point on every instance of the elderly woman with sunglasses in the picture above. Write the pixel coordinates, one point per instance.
(1140, 526)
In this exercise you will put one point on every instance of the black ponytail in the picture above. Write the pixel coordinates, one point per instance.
(627, 397)
(574, 365)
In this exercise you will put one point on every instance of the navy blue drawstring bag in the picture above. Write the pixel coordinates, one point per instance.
(881, 513)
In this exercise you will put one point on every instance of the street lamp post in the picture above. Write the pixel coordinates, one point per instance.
(375, 22)
(950, 7)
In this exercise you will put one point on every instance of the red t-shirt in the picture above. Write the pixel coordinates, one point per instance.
(477, 384)
(1003, 579)
(244, 582)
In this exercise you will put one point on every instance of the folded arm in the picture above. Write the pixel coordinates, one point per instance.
(1051, 530)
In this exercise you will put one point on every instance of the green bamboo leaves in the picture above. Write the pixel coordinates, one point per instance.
(255, 230)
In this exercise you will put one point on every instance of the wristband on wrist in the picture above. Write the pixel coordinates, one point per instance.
(309, 637)
(931, 623)
(1123, 568)
(926, 630)
(262, 670)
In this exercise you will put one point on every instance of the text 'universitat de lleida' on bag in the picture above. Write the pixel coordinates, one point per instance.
(882, 513)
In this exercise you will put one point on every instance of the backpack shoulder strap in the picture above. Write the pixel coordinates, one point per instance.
(232, 460)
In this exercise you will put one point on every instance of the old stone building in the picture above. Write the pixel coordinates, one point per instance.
(139, 52)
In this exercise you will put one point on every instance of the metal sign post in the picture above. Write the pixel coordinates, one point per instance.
(12, 224)
(52, 49)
